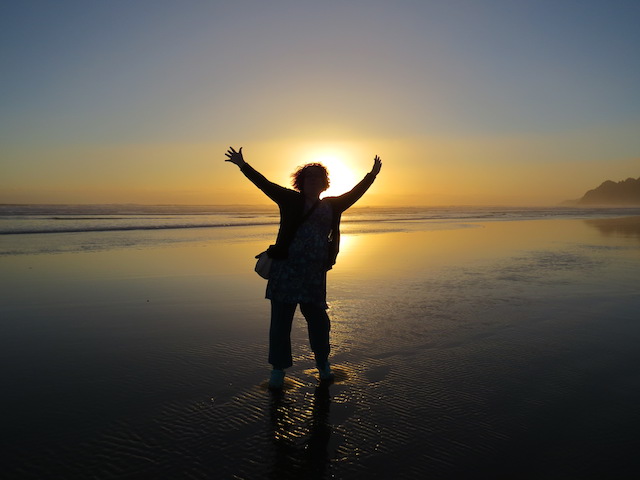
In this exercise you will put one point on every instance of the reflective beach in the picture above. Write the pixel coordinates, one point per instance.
(463, 349)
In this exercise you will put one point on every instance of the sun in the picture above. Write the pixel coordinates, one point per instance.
(341, 176)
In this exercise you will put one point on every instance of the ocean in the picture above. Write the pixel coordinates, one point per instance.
(22, 226)
(468, 342)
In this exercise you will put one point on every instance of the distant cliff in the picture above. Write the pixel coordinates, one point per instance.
(626, 192)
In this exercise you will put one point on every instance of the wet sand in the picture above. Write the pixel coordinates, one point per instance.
(480, 350)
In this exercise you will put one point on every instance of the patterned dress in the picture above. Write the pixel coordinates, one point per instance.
(302, 276)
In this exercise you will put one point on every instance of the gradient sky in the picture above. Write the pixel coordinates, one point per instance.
(467, 102)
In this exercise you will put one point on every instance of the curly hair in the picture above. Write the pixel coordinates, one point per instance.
(298, 175)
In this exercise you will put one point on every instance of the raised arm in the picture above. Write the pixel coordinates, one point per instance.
(377, 165)
(345, 200)
(274, 191)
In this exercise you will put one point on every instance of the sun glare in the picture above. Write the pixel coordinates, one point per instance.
(341, 177)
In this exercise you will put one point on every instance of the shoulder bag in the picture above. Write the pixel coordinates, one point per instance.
(263, 265)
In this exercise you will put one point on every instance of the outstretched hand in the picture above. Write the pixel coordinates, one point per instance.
(377, 165)
(235, 157)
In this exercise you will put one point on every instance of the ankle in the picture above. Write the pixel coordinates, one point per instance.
(322, 365)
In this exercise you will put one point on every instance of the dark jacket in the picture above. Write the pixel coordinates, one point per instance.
(291, 204)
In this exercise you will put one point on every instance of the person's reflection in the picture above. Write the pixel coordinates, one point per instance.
(294, 457)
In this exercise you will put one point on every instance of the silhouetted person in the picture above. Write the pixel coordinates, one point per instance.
(306, 248)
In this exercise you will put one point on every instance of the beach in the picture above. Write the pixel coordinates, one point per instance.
(503, 347)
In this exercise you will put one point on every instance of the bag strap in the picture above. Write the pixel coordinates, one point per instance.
(271, 251)
(309, 212)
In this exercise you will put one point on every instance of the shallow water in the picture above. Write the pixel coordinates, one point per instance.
(479, 349)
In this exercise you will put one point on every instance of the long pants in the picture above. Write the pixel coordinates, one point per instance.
(280, 333)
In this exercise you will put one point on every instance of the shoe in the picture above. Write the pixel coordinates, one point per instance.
(276, 381)
(326, 374)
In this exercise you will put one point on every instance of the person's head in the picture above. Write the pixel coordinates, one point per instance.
(312, 176)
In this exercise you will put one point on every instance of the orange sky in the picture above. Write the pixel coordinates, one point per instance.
(122, 103)
(477, 171)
